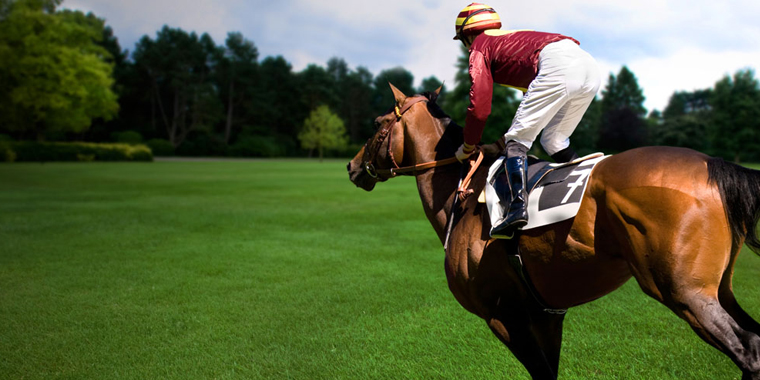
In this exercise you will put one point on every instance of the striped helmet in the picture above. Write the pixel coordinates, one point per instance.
(476, 18)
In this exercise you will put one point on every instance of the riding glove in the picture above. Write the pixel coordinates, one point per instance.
(464, 151)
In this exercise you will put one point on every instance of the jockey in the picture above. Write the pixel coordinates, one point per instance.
(559, 80)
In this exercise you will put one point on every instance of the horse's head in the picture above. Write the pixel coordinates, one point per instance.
(385, 151)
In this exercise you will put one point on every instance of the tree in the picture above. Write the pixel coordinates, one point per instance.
(277, 110)
(102, 129)
(323, 130)
(55, 75)
(622, 124)
(338, 71)
(237, 73)
(736, 116)
(683, 103)
(383, 98)
(586, 135)
(684, 122)
(179, 67)
(337, 68)
(351, 96)
(623, 91)
(459, 98)
(357, 97)
(317, 87)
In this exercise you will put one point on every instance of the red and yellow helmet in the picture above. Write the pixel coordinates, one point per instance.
(476, 18)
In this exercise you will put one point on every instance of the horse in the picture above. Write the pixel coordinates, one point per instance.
(672, 218)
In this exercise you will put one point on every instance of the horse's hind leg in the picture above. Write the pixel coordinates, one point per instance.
(728, 300)
(714, 324)
(680, 250)
(690, 284)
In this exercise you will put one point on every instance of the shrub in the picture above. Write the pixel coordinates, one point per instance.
(349, 151)
(161, 147)
(202, 143)
(6, 152)
(79, 151)
(255, 146)
(127, 137)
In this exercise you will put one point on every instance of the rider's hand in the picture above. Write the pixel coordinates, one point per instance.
(464, 151)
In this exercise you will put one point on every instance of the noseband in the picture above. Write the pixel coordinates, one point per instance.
(387, 132)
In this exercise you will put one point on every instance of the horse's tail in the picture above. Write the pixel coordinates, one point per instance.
(740, 191)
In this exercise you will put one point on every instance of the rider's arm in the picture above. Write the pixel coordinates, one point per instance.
(481, 92)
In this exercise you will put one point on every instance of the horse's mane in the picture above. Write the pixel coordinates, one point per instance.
(433, 106)
(453, 135)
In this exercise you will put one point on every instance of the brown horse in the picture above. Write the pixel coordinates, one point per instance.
(672, 218)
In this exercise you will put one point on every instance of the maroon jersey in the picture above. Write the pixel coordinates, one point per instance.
(508, 58)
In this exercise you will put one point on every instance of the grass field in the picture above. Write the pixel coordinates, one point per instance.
(274, 270)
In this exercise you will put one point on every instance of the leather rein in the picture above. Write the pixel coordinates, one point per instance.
(387, 132)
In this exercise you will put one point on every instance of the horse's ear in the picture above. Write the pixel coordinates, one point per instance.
(438, 90)
(400, 97)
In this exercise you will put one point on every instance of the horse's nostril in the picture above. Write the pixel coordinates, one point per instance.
(348, 167)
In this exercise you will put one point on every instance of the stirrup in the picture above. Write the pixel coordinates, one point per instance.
(508, 231)
(504, 236)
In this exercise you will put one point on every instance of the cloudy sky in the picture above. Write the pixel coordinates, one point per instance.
(670, 45)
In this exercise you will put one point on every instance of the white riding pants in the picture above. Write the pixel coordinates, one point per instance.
(568, 80)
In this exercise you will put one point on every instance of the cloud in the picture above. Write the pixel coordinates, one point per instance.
(669, 45)
(661, 76)
(653, 28)
(374, 35)
(133, 19)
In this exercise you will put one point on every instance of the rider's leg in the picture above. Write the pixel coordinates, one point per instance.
(582, 83)
(513, 197)
(564, 71)
(555, 138)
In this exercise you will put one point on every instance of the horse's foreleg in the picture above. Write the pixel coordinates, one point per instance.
(535, 338)
(548, 330)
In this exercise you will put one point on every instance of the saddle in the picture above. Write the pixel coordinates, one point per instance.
(555, 190)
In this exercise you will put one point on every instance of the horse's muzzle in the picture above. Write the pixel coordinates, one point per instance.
(358, 174)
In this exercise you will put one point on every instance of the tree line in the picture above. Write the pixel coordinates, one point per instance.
(64, 77)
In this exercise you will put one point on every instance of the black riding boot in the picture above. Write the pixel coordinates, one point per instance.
(514, 198)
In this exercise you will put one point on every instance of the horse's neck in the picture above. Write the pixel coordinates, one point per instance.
(437, 188)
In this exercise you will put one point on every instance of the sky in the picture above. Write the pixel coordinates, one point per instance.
(670, 45)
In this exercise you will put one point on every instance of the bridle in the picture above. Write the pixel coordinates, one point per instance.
(372, 150)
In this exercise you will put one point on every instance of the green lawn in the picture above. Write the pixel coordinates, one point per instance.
(274, 270)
